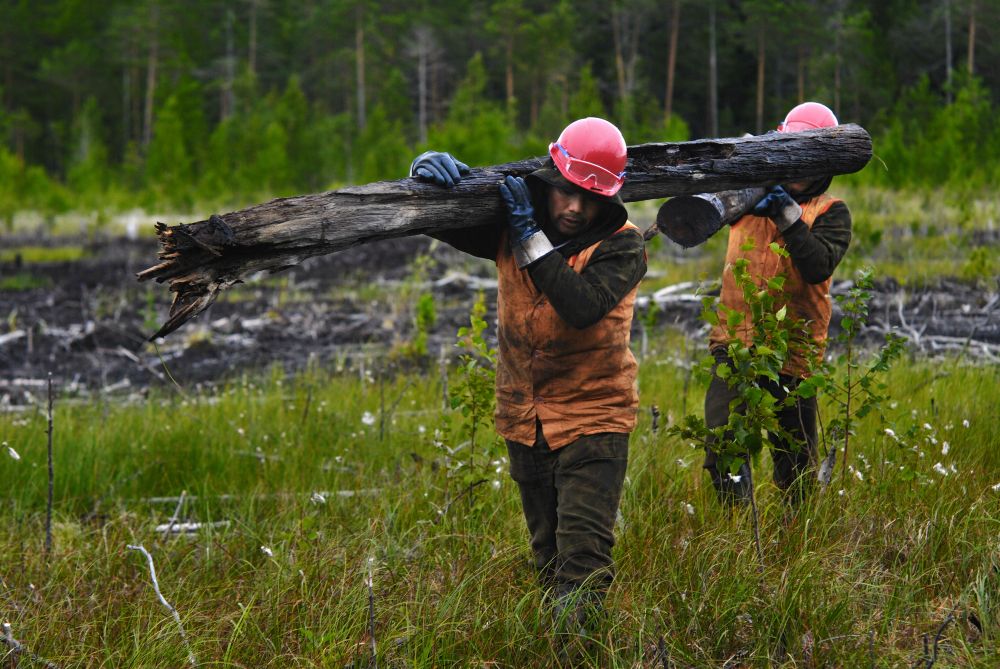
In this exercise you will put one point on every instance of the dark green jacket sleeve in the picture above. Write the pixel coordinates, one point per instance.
(816, 252)
(583, 299)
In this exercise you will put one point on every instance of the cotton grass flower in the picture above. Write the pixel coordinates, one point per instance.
(267, 551)
(945, 447)
(368, 418)
(996, 488)
(735, 478)
(14, 455)
(891, 434)
(689, 509)
(317, 498)
(965, 423)
(940, 469)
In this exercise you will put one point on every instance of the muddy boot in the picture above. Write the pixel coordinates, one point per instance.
(576, 614)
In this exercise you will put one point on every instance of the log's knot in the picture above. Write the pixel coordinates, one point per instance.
(212, 235)
(220, 227)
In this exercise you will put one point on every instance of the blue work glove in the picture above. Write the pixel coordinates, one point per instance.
(520, 213)
(779, 206)
(438, 167)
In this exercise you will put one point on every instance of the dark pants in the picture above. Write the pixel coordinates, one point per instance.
(570, 498)
(794, 460)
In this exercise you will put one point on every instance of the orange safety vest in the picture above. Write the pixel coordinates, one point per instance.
(576, 382)
(808, 302)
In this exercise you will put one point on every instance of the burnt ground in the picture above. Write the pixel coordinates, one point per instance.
(88, 322)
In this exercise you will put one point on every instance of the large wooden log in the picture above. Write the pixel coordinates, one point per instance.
(204, 258)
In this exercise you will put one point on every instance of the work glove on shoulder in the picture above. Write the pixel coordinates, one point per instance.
(779, 206)
(441, 168)
(528, 242)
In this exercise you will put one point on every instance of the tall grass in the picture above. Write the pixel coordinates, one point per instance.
(852, 580)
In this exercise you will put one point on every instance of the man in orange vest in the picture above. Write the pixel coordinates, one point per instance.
(815, 229)
(568, 264)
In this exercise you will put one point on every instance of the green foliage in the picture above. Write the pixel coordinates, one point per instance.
(42, 254)
(927, 143)
(83, 81)
(754, 410)
(477, 129)
(474, 396)
(983, 266)
(474, 393)
(585, 99)
(89, 172)
(423, 312)
(23, 281)
(382, 148)
(860, 387)
(26, 188)
(907, 546)
(169, 163)
(763, 358)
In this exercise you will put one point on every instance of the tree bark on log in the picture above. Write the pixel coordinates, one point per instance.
(202, 259)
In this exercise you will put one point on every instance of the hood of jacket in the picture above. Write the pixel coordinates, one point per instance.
(611, 218)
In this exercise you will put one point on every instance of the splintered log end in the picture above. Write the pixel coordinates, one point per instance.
(187, 253)
(189, 301)
(154, 271)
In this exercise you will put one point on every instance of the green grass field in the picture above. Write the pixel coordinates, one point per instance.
(907, 545)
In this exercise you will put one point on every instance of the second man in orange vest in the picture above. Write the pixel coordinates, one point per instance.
(815, 229)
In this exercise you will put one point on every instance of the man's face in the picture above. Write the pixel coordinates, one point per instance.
(572, 211)
(798, 187)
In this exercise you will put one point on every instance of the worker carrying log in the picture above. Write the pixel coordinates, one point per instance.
(815, 229)
(200, 260)
(569, 263)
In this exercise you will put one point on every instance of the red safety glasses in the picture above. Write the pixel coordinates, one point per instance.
(586, 174)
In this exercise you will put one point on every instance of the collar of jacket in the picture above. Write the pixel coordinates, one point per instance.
(610, 221)
(816, 187)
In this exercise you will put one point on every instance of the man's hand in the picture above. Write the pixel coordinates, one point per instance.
(779, 206)
(438, 167)
(520, 213)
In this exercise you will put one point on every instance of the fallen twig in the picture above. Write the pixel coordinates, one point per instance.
(17, 648)
(48, 508)
(173, 519)
(189, 528)
(173, 611)
(276, 495)
(371, 610)
(468, 490)
(386, 416)
(661, 645)
(937, 638)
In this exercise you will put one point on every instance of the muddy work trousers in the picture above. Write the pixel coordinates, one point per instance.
(794, 460)
(570, 498)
